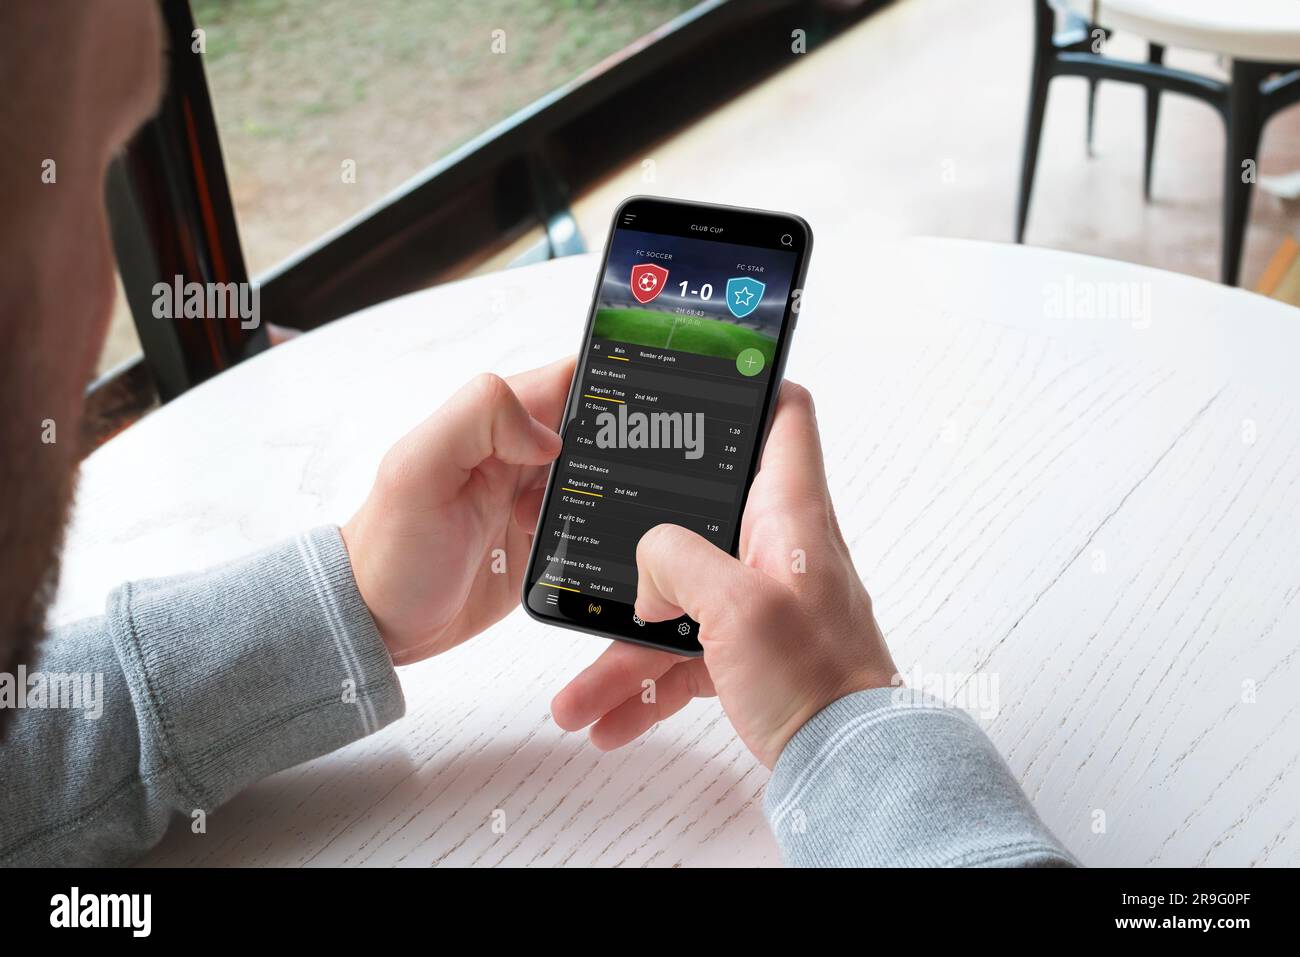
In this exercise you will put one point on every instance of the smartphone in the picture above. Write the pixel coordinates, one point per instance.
(676, 382)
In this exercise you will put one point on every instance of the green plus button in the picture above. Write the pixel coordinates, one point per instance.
(750, 362)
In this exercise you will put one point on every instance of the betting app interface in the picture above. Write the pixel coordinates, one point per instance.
(667, 414)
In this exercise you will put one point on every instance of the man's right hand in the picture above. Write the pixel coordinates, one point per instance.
(786, 630)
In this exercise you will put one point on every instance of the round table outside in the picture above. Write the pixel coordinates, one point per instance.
(1070, 484)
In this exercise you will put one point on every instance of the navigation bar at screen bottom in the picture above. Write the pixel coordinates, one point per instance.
(567, 604)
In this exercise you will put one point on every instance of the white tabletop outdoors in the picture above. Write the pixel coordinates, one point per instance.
(1076, 477)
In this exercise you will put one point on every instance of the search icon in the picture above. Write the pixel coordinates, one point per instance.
(787, 239)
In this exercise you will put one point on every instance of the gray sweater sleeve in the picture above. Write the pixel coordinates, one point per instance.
(892, 778)
(206, 683)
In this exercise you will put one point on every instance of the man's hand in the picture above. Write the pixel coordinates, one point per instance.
(466, 482)
(786, 630)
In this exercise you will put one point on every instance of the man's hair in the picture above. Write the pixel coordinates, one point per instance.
(77, 79)
(36, 482)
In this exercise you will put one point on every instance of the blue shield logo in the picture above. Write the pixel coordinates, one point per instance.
(744, 295)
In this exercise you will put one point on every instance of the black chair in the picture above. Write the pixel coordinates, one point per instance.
(1261, 37)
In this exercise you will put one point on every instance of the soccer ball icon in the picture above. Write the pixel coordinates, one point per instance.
(647, 281)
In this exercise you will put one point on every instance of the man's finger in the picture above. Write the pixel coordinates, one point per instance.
(635, 716)
(679, 571)
(618, 674)
(485, 419)
(543, 391)
(793, 454)
(528, 507)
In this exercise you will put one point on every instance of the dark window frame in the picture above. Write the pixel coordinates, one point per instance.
(169, 199)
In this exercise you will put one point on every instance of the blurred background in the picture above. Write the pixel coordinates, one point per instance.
(489, 134)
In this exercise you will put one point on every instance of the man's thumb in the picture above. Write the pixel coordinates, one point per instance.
(679, 571)
(485, 419)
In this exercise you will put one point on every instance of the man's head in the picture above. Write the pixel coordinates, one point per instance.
(77, 77)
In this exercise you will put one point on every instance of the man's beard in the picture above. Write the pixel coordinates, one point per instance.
(36, 485)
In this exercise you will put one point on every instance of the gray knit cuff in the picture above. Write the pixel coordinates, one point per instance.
(252, 667)
(890, 777)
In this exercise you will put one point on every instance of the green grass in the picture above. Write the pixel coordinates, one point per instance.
(662, 330)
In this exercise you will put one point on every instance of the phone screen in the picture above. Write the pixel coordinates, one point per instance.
(673, 392)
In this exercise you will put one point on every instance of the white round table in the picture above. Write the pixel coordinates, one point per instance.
(1266, 30)
(1076, 477)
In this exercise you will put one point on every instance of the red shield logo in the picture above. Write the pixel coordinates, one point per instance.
(648, 281)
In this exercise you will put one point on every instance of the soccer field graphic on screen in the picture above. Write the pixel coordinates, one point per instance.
(703, 297)
(698, 335)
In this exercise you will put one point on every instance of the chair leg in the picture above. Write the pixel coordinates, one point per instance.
(1156, 55)
(1044, 24)
(1092, 108)
(1244, 120)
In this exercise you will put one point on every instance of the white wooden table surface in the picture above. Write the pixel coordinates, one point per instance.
(1098, 511)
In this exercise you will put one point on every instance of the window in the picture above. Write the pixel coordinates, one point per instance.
(325, 106)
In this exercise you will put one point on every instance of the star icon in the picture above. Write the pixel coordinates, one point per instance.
(743, 295)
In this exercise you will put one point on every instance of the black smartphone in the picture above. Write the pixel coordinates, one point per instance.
(676, 382)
